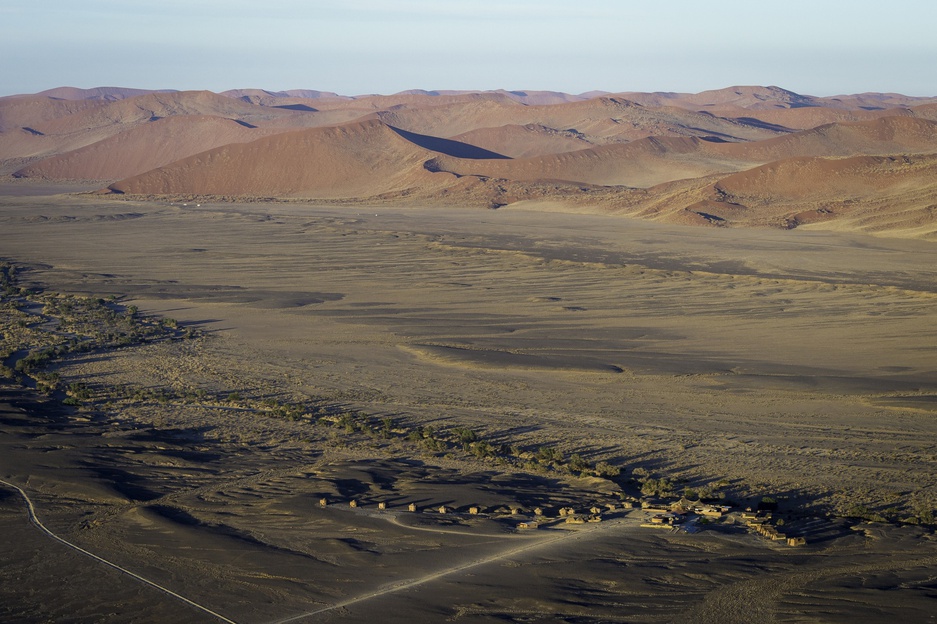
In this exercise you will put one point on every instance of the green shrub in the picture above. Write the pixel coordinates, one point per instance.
(577, 463)
(657, 487)
(604, 469)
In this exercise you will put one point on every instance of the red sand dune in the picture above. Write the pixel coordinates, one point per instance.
(519, 141)
(32, 110)
(36, 127)
(795, 119)
(783, 108)
(20, 140)
(925, 111)
(819, 179)
(598, 120)
(654, 160)
(884, 135)
(120, 113)
(892, 195)
(646, 162)
(142, 148)
(746, 97)
(359, 159)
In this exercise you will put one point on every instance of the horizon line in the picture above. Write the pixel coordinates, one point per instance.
(442, 92)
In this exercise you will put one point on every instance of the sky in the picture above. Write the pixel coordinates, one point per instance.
(354, 47)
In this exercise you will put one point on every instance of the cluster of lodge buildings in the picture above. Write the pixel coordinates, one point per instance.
(760, 523)
(668, 516)
(567, 514)
(665, 515)
(685, 506)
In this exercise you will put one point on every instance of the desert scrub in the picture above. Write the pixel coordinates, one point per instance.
(38, 329)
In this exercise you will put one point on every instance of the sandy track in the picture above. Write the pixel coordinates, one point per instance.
(34, 519)
(427, 578)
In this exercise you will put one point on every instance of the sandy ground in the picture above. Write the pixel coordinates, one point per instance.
(792, 363)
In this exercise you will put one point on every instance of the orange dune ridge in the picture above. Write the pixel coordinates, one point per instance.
(358, 159)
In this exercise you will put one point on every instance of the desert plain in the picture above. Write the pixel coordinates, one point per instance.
(433, 322)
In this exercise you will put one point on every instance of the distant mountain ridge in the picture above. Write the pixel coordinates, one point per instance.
(107, 94)
(741, 96)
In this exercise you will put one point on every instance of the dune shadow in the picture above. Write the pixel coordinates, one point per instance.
(448, 147)
(297, 107)
(764, 125)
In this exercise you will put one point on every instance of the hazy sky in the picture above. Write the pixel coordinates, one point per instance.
(817, 47)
